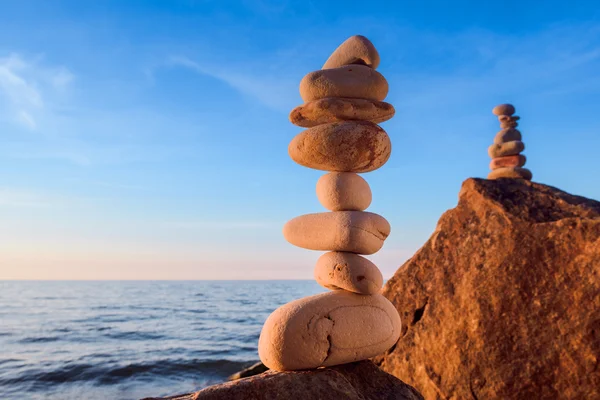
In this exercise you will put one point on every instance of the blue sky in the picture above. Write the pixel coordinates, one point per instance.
(148, 140)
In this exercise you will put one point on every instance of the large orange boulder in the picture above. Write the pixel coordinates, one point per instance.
(503, 301)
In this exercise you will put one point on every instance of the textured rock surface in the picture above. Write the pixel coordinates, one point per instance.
(351, 146)
(503, 301)
(343, 191)
(328, 329)
(356, 49)
(334, 109)
(348, 271)
(356, 381)
(354, 231)
(353, 81)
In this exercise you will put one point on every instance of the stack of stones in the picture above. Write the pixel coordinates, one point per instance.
(507, 160)
(343, 102)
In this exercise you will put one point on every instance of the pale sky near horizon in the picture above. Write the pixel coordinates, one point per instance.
(148, 139)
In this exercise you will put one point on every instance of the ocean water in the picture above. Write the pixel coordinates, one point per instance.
(129, 340)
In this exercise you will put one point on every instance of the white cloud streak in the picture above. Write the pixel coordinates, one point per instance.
(272, 91)
(26, 85)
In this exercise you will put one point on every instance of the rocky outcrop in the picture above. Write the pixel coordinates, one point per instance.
(503, 301)
(361, 380)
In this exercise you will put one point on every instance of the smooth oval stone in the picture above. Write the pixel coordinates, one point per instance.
(506, 149)
(334, 109)
(343, 191)
(508, 161)
(353, 231)
(348, 271)
(511, 172)
(353, 81)
(507, 135)
(355, 50)
(328, 329)
(350, 146)
(504, 109)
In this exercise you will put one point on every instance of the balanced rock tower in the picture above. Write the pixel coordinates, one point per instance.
(507, 160)
(343, 102)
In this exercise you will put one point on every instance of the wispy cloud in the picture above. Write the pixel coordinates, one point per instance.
(25, 85)
(275, 92)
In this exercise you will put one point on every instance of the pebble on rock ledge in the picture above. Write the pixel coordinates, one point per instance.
(511, 172)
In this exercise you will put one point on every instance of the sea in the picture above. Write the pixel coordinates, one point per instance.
(131, 339)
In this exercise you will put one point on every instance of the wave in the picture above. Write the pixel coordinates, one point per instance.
(196, 311)
(134, 335)
(40, 339)
(110, 374)
(10, 360)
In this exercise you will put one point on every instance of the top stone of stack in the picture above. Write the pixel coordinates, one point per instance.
(504, 109)
(355, 50)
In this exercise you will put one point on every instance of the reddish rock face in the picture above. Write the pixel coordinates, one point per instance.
(361, 380)
(503, 301)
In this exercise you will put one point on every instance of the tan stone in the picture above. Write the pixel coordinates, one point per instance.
(328, 329)
(350, 146)
(353, 81)
(506, 149)
(334, 109)
(507, 121)
(353, 231)
(348, 271)
(506, 118)
(508, 161)
(343, 191)
(355, 50)
(508, 124)
(504, 109)
(511, 172)
(507, 135)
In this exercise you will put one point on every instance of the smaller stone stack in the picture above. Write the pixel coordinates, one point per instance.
(352, 322)
(507, 160)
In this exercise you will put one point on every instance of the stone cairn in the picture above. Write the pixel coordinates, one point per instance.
(343, 102)
(507, 160)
